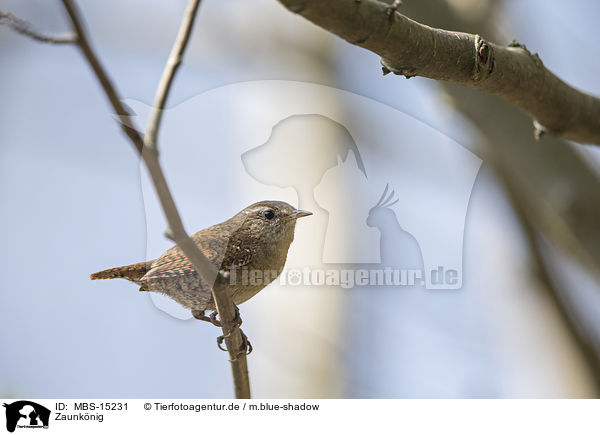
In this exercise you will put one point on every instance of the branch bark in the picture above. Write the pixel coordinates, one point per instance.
(413, 49)
(450, 57)
(147, 148)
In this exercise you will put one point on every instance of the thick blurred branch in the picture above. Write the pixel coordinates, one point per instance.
(147, 147)
(576, 328)
(561, 190)
(554, 192)
(413, 49)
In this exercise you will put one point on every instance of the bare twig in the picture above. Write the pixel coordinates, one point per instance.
(149, 153)
(410, 49)
(147, 148)
(168, 74)
(176, 231)
(25, 28)
(109, 89)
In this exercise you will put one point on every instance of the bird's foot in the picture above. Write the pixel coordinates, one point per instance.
(237, 320)
(245, 347)
(393, 7)
(212, 318)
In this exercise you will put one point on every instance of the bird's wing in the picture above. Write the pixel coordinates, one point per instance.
(173, 263)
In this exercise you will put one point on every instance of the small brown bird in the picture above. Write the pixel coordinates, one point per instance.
(252, 246)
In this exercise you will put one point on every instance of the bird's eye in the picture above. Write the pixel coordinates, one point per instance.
(269, 214)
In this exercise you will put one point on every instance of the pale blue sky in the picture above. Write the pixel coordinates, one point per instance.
(72, 204)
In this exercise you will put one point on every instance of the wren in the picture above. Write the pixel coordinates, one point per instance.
(254, 243)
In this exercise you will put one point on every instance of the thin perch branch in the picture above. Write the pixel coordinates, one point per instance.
(176, 231)
(413, 49)
(149, 153)
(25, 28)
(148, 150)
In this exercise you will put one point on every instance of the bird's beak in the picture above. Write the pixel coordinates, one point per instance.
(297, 214)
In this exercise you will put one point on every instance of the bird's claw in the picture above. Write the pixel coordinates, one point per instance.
(213, 319)
(237, 320)
(220, 340)
(393, 7)
(199, 314)
(245, 347)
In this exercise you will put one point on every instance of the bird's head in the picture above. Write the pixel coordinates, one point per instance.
(270, 220)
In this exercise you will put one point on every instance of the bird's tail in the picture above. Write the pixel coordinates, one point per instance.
(133, 272)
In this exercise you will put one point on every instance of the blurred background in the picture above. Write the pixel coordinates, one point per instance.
(523, 324)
